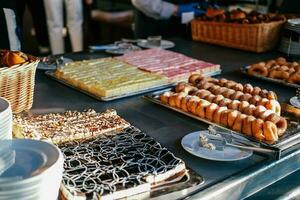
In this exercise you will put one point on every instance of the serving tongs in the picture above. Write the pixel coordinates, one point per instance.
(228, 138)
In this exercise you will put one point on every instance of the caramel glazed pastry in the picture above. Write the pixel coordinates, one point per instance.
(242, 108)
(278, 69)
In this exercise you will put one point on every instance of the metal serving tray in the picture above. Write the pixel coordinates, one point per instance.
(290, 139)
(168, 85)
(281, 82)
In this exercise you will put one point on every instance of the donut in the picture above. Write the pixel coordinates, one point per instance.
(265, 114)
(225, 102)
(279, 74)
(224, 117)
(165, 97)
(271, 95)
(238, 87)
(180, 86)
(221, 90)
(238, 123)
(250, 109)
(232, 115)
(200, 110)
(270, 63)
(256, 90)
(230, 84)
(222, 82)
(297, 69)
(210, 110)
(184, 102)
(237, 95)
(214, 89)
(280, 61)
(280, 123)
(247, 129)
(243, 105)
(281, 126)
(228, 93)
(284, 68)
(178, 99)
(192, 104)
(257, 129)
(217, 99)
(204, 85)
(210, 97)
(217, 114)
(194, 79)
(245, 97)
(234, 105)
(294, 78)
(248, 88)
(273, 105)
(258, 69)
(202, 93)
(172, 100)
(270, 131)
(255, 99)
(259, 109)
(189, 89)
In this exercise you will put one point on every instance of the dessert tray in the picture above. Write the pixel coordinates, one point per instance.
(121, 165)
(106, 157)
(143, 91)
(277, 81)
(285, 143)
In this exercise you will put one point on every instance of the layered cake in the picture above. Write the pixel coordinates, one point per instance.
(117, 166)
(59, 128)
(108, 77)
(175, 66)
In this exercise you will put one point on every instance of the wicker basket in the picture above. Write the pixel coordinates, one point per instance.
(252, 37)
(17, 85)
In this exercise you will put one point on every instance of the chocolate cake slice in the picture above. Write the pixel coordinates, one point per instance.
(118, 166)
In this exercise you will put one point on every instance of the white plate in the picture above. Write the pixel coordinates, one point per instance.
(33, 158)
(165, 44)
(295, 102)
(192, 145)
(121, 51)
(44, 66)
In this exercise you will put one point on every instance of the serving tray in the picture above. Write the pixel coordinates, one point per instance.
(244, 70)
(123, 161)
(290, 139)
(168, 85)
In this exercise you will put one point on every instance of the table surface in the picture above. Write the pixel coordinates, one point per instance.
(166, 126)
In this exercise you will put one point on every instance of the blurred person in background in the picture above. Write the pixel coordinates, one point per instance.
(10, 32)
(55, 21)
(164, 17)
(37, 10)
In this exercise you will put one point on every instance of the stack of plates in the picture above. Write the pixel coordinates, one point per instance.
(29, 170)
(290, 41)
(5, 120)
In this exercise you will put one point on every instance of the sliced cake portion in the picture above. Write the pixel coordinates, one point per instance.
(64, 127)
(108, 77)
(175, 66)
(118, 166)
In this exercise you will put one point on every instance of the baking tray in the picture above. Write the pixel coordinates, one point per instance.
(290, 139)
(168, 85)
(281, 82)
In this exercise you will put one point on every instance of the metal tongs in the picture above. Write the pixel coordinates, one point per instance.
(228, 138)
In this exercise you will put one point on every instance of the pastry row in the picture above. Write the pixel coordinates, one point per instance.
(277, 69)
(256, 116)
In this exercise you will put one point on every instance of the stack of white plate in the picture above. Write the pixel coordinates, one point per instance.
(5, 120)
(31, 170)
(290, 41)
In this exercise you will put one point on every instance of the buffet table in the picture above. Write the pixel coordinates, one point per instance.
(223, 180)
